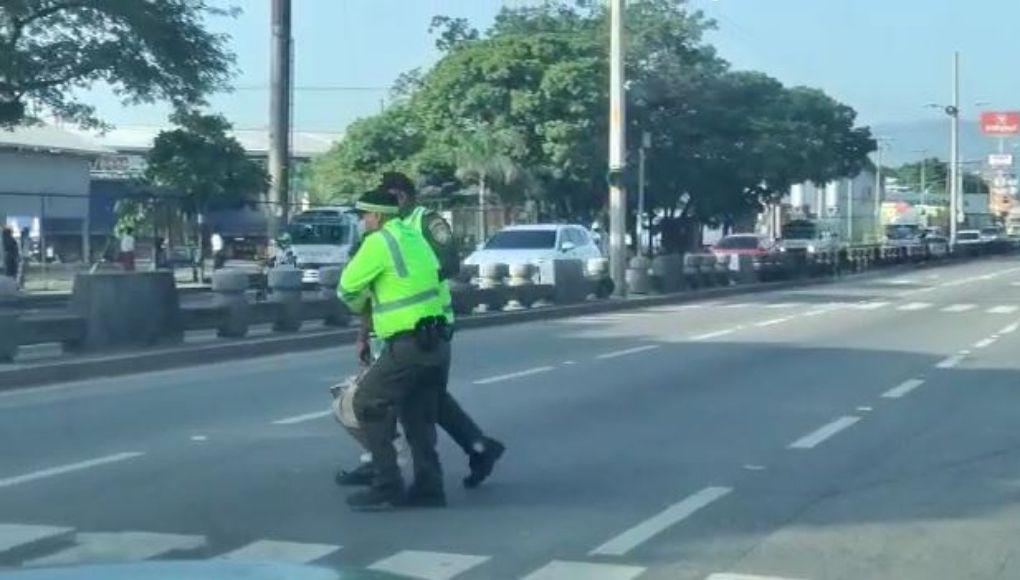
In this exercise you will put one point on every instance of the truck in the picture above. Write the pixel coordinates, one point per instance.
(804, 236)
(320, 237)
(1013, 223)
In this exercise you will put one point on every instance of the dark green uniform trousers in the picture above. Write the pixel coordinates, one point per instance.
(407, 383)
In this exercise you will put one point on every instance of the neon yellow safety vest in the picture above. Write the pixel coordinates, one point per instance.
(416, 220)
(396, 269)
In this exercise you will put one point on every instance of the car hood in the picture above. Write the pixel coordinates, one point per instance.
(510, 256)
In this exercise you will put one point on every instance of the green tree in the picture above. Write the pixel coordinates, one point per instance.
(206, 165)
(145, 49)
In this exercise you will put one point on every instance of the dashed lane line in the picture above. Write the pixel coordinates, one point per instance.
(827, 431)
(623, 543)
(69, 468)
(627, 351)
(511, 376)
(902, 389)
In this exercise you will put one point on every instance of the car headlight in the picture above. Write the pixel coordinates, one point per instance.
(811, 248)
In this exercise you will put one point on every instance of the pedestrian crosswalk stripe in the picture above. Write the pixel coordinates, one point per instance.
(915, 306)
(561, 570)
(276, 551)
(18, 537)
(959, 308)
(119, 547)
(871, 305)
(428, 565)
(1002, 310)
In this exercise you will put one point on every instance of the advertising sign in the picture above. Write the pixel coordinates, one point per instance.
(1000, 122)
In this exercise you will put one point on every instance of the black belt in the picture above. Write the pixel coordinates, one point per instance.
(427, 333)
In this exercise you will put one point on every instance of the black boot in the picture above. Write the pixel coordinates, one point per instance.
(361, 475)
(482, 462)
(375, 498)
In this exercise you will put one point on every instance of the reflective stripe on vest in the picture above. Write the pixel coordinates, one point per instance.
(394, 248)
(384, 307)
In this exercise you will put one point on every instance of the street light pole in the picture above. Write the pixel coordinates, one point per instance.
(617, 151)
(954, 151)
(279, 116)
(878, 193)
(639, 225)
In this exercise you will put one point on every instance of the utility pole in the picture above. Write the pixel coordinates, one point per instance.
(639, 225)
(878, 192)
(279, 117)
(954, 152)
(617, 151)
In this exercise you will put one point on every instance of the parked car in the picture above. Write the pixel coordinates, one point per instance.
(535, 244)
(743, 245)
(969, 238)
(993, 234)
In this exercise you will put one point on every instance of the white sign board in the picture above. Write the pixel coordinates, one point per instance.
(1000, 160)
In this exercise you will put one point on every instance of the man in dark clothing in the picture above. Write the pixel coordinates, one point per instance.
(12, 255)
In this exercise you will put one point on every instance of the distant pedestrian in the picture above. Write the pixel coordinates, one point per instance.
(219, 257)
(127, 249)
(159, 254)
(12, 256)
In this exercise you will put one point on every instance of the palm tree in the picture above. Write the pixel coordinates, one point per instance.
(486, 157)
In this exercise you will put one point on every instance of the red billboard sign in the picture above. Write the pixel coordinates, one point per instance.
(1000, 122)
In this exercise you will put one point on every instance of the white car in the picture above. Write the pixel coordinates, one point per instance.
(969, 238)
(536, 244)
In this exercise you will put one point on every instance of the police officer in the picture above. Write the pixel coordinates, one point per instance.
(395, 273)
(483, 452)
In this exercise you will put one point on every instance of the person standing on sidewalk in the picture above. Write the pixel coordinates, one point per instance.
(12, 257)
(127, 249)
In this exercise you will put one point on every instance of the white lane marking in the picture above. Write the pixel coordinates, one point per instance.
(901, 282)
(928, 289)
(1010, 329)
(753, 467)
(302, 418)
(276, 551)
(711, 335)
(62, 469)
(731, 576)
(627, 351)
(785, 305)
(560, 570)
(914, 306)
(1003, 310)
(30, 537)
(950, 362)
(569, 362)
(902, 389)
(864, 409)
(816, 437)
(509, 376)
(871, 305)
(646, 530)
(984, 343)
(959, 308)
(199, 438)
(739, 305)
(428, 565)
(1014, 283)
(119, 547)
(772, 322)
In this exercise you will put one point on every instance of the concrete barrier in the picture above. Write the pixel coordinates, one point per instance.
(336, 313)
(667, 273)
(692, 271)
(569, 284)
(285, 290)
(229, 287)
(637, 276)
(519, 282)
(8, 319)
(127, 308)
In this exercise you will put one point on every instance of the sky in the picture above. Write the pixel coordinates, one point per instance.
(885, 58)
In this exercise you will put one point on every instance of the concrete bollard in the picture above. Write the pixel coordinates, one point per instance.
(127, 308)
(465, 297)
(596, 270)
(285, 290)
(692, 274)
(519, 285)
(228, 288)
(9, 297)
(746, 272)
(490, 282)
(569, 284)
(336, 312)
(637, 276)
(667, 273)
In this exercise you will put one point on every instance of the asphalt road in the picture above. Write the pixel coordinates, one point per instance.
(862, 429)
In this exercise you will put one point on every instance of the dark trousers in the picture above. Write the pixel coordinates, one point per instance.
(405, 383)
(458, 424)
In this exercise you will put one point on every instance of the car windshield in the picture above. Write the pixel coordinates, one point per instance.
(738, 243)
(800, 231)
(319, 233)
(522, 240)
(901, 232)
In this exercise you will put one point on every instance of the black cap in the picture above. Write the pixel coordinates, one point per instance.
(395, 180)
(377, 201)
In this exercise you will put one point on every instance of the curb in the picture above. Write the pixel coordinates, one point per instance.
(141, 361)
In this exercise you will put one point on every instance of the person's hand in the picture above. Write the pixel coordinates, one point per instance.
(363, 350)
